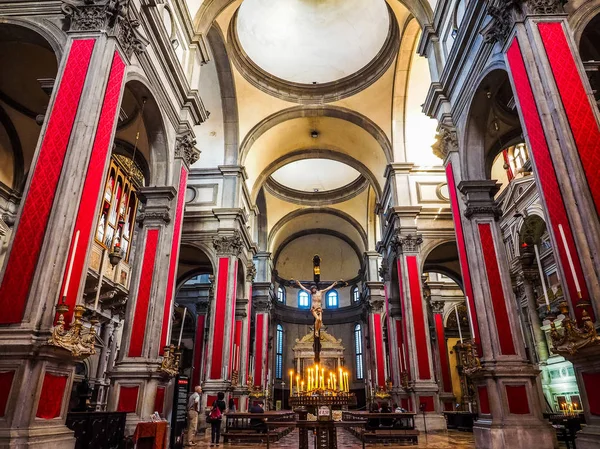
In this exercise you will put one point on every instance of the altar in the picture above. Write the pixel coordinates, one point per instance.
(332, 352)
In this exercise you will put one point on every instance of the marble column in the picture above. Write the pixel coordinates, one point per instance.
(422, 383)
(441, 350)
(377, 312)
(506, 384)
(65, 179)
(261, 306)
(243, 316)
(219, 357)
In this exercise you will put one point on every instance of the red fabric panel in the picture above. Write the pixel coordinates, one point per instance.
(544, 167)
(418, 317)
(232, 327)
(462, 249)
(248, 321)
(379, 353)
(517, 399)
(51, 397)
(484, 400)
(88, 206)
(404, 339)
(576, 102)
(198, 346)
(159, 400)
(37, 205)
(174, 258)
(441, 338)
(238, 344)
(210, 400)
(507, 345)
(592, 391)
(6, 380)
(143, 297)
(258, 350)
(428, 401)
(219, 323)
(128, 397)
(404, 402)
(448, 406)
(390, 340)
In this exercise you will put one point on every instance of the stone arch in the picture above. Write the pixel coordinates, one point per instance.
(441, 256)
(160, 151)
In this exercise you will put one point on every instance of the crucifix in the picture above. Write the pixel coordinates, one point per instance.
(317, 303)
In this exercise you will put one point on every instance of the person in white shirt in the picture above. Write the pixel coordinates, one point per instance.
(193, 407)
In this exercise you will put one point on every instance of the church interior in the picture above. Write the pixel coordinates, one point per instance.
(332, 210)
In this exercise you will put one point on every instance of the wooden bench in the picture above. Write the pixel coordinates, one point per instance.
(239, 426)
(402, 428)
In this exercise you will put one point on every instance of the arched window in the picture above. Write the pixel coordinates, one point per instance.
(355, 294)
(281, 295)
(279, 353)
(333, 301)
(358, 348)
(303, 300)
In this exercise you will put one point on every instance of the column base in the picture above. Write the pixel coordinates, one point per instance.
(432, 422)
(588, 438)
(514, 434)
(47, 437)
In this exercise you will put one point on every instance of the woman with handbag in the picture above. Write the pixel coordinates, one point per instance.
(215, 418)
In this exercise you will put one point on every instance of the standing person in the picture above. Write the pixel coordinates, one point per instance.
(216, 418)
(193, 407)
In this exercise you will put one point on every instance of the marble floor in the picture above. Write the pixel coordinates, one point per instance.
(447, 440)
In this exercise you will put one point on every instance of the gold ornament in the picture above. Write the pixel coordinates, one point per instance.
(79, 341)
(170, 362)
(572, 338)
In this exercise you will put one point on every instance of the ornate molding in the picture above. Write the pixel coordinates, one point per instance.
(112, 16)
(154, 215)
(492, 209)
(384, 273)
(185, 148)
(228, 245)
(437, 306)
(502, 20)
(408, 243)
(262, 304)
(446, 142)
(250, 271)
(546, 6)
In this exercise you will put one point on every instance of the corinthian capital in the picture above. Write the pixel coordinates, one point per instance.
(408, 243)
(228, 245)
(185, 149)
(446, 142)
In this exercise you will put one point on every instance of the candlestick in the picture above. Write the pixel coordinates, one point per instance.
(100, 276)
(322, 378)
(458, 323)
(341, 380)
(542, 277)
(297, 383)
(71, 264)
(470, 318)
(571, 265)
(181, 330)
(347, 384)
(302, 386)
(291, 382)
(329, 384)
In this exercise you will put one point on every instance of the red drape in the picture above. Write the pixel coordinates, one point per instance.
(51, 398)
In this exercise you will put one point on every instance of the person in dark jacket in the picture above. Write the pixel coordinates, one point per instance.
(258, 424)
(215, 424)
(386, 422)
(373, 423)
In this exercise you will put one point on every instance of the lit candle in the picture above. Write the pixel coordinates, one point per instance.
(100, 276)
(347, 384)
(542, 277)
(322, 377)
(302, 386)
(181, 330)
(297, 382)
(71, 264)
(291, 382)
(470, 318)
(329, 383)
(334, 383)
(571, 265)
(341, 380)
(458, 323)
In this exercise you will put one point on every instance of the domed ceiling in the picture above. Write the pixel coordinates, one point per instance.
(315, 175)
(312, 41)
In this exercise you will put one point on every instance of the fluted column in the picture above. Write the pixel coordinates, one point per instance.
(507, 384)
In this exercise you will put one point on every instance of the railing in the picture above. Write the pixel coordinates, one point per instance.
(97, 430)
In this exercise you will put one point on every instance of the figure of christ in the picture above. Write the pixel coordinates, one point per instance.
(317, 302)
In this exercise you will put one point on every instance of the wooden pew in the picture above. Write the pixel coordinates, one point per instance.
(401, 428)
(239, 427)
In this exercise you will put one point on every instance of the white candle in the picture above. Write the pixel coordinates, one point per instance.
(238, 358)
(470, 318)
(100, 277)
(181, 330)
(400, 358)
(458, 323)
(542, 277)
(571, 265)
(71, 265)
(404, 357)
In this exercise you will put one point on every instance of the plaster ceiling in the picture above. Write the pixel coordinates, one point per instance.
(315, 175)
(312, 41)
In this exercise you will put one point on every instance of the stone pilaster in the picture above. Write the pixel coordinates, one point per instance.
(440, 350)
(506, 384)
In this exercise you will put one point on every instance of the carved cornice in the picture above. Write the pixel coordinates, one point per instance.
(475, 211)
(407, 243)
(546, 6)
(185, 148)
(446, 142)
(154, 215)
(111, 16)
(479, 198)
(228, 245)
(262, 304)
(384, 273)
